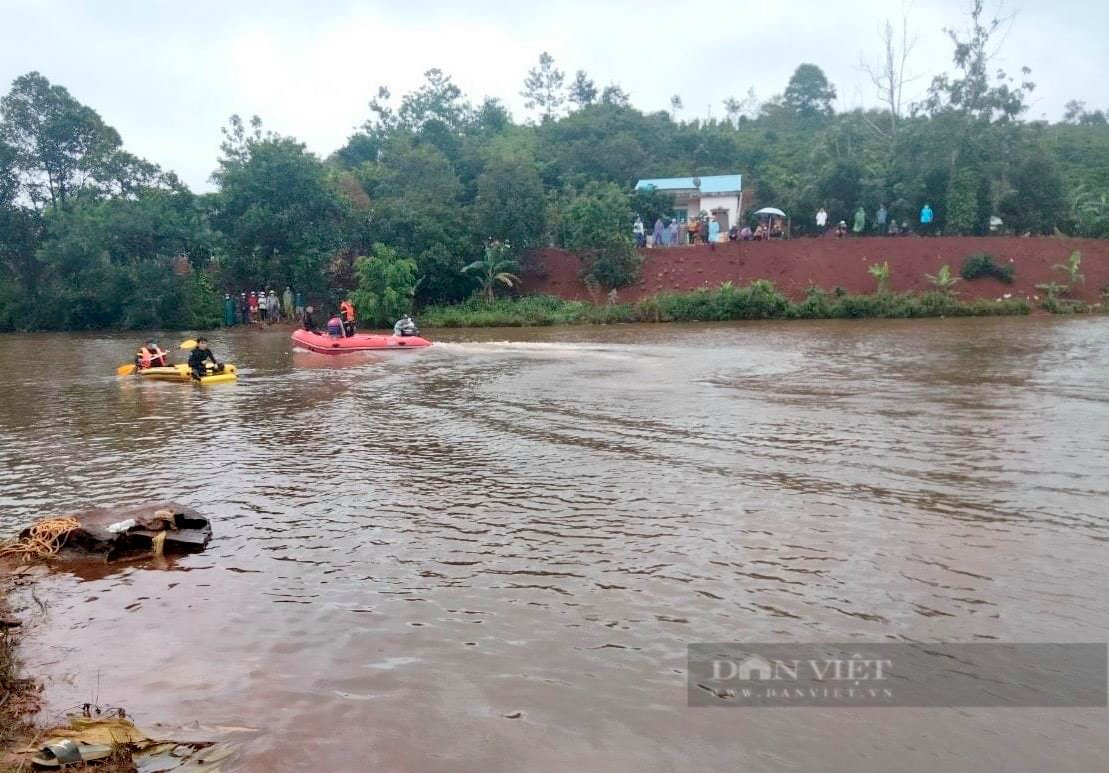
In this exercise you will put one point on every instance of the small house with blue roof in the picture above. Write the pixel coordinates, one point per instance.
(717, 195)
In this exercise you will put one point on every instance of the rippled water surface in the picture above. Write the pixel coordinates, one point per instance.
(491, 555)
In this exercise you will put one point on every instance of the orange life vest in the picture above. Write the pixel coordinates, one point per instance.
(148, 357)
(347, 310)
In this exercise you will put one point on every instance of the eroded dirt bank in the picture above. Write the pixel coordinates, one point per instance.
(797, 264)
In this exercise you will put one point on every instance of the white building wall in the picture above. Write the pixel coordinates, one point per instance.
(729, 203)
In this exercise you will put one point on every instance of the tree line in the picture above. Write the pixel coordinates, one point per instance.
(92, 236)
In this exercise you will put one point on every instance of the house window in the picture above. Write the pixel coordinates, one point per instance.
(681, 214)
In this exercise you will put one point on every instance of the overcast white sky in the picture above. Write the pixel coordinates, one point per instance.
(167, 74)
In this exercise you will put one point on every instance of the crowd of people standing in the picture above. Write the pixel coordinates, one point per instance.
(704, 228)
(261, 306)
(884, 224)
(668, 232)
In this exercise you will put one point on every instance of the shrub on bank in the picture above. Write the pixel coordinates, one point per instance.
(983, 264)
(758, 300)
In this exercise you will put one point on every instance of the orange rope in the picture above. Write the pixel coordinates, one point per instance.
(44, 539)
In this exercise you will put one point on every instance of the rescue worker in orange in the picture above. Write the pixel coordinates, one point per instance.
(151, 356)
(346, 312)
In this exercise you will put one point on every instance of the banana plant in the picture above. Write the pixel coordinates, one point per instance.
(1070, 268)
(881, 272)
(943, 281)
(495, 268)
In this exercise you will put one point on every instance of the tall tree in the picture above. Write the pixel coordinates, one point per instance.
(889, 73)
(280, 212)
(981, 111)
(616, 96)
(595, 224)
(58, 141)
(809, 93)
(509, 207)
(675, 106)
(582, 91)
(543, 87)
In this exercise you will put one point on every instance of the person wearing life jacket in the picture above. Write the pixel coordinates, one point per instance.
(346, 313)
(406, 326)
(151, 356)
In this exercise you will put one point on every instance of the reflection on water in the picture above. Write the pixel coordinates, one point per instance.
(491, 555)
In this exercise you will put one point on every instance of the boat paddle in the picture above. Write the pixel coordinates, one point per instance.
(125, 370)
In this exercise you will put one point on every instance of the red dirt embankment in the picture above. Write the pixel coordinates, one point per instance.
(797, 264)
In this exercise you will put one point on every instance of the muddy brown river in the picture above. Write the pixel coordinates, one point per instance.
(491, 555)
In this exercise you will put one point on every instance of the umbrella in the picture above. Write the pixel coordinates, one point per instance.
(771, 211)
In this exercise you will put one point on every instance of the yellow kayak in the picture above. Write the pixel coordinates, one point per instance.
(181, 373)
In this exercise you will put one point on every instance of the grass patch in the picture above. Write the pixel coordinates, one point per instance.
(758, 300)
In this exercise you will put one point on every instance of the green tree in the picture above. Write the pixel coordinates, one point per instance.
(1037, 202)
(543, 88)
(386, 284)
(509, 206)
(417, 209)
(279, 211)
(596, 226)
(582, 91)
(809, 93)
(615, 96)
(651, 204)
(56, 140)
(963, 214)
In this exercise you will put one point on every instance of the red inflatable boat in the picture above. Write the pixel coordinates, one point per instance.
(325, 344)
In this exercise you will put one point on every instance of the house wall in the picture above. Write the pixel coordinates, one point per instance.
(729, 203)
(694, 204)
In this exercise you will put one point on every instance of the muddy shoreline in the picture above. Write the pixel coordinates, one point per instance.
(19, 693)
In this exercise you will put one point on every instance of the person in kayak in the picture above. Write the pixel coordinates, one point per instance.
(200, 357)
(346, 313)
(151, 356)
(406, 326)
(335, 326)
(309, 323)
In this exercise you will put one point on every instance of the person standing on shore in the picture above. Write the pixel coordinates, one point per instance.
(253, 302)
(228, 310)
(714, 231)
(658, 233)
(860, 222)
(640, 233)
(298, 305)
(880, 220)
(821, 220)
(274, 307)
(926, 217)
(675, 232)
(244, 309)
(287, 302)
